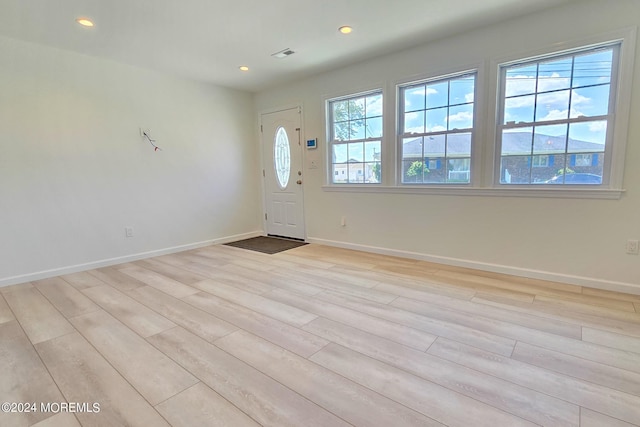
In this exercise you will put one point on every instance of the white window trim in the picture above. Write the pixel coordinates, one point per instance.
(615, 173)
(326, 101)
(532, 191)
(483, 182)
(477, 71)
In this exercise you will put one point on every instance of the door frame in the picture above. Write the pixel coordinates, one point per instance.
(263, 184)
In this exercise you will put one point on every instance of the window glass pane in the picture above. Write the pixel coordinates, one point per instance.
(553, 106)
(341, 131)
(340, 111)
(437, 120)
(356, 108)
(357, 130)
(459, 170)
(340, 173)
(437, 94)
(461, 117)
(590, 101)
(434, 146)
(462, 90)
(412, 149)
(517, 141)
(373, 127)
(414, 98)
(459, 145)
(550, 139)
(434, 171)
(554, 74)
(543, 169)
(374, 105)
(355, 152)
(587, 136)
(372, 151)
(356, 173)
(339, 153)
(521, 80)
(519, 109)
(414, 122)
(593, 68)
(515, 170)
(413, 171)
(372, 172)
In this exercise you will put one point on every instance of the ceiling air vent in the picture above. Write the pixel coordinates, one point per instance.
(283, 53)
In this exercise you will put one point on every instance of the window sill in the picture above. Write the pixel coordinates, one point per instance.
(563, 193)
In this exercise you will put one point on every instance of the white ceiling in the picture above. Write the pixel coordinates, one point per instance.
(208, 40)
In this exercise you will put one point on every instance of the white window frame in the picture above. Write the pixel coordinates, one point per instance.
(612, 187)
(329, 121)
(400, 88)
(609, 117)
(485, 163)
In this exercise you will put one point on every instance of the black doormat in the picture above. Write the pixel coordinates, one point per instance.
(267, 245)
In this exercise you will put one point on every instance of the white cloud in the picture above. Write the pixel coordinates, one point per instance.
(414, 129)
(519, 85)
(553, 82)
(431, 91)
(469, 97)
(523, 84)
(561, 114)
(598, 126)
(556, 115)
(462, 116)
(437, 128)
(549, 100)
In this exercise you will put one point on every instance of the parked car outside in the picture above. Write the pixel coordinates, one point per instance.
(576, 178)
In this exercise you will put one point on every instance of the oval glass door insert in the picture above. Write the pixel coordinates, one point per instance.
(282, 157)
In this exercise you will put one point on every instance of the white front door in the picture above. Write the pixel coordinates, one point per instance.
(282, 166)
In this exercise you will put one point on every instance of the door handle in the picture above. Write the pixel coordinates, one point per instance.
(299, 182)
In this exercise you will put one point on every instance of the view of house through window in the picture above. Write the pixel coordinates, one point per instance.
(437, 129)
(356, 139)
(555, 118)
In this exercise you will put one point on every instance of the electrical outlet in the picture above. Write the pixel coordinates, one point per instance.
(632, 247)
(128, 231)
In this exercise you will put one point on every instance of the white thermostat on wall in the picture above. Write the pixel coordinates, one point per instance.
(312, 143)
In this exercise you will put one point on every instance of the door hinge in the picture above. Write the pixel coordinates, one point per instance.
(263, 174)
(260, 128)
(265, 217)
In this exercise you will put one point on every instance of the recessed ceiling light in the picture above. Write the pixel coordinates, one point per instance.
(243, 68)
(85, 22)
(345, 29)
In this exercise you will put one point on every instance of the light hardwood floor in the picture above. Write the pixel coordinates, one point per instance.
(316, 336)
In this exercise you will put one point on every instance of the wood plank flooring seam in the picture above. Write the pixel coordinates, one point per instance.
(284, 385)
(567, 397)
(192, 373)
(238, 360)
(118, 371)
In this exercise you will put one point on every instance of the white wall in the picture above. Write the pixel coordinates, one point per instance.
(74, 170)
(574, 240)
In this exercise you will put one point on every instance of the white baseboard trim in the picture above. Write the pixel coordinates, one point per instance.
(8, 281)
(607, 285)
